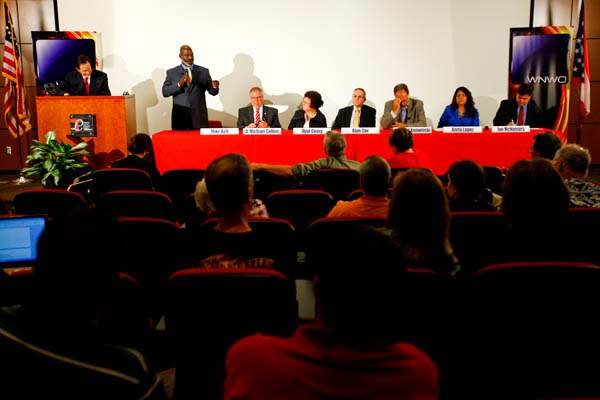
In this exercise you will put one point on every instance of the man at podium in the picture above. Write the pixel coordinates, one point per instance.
(85, 81)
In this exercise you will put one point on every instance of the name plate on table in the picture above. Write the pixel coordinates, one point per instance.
(219, 131)
(350, 131)
(311, 131)
(520, 128)
(420, 129)
(262, 131)
(463, 129)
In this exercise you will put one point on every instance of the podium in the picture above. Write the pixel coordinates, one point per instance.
(115, 123)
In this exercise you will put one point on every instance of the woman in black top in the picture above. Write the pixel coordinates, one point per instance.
(309, 116)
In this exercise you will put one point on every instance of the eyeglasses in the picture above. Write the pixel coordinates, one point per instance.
(256, 97)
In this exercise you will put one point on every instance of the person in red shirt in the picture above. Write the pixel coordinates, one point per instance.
(405, 156)
(352, 350)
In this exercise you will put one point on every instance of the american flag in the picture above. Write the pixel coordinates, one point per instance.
(581, 65)
(16, 118)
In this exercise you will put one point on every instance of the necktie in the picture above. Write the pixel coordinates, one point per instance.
(189, 72)
(86, 83)
(521, 116)
(257, 116)
(356, 122)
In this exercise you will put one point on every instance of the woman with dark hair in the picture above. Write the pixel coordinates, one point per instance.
(466, 187)
(405, 156)
(141, 157)
(462, 111)
(535, 201)
(418, 220)
(309, 116)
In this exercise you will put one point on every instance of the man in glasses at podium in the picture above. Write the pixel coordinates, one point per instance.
(86, 81)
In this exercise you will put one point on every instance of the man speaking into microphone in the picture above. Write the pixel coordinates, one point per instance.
(257, 115)
(187, 83)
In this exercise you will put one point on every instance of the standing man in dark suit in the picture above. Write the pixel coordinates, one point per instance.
(257, 115)
(358, 115)
(86, 81)
(187, 83)
(522, 110)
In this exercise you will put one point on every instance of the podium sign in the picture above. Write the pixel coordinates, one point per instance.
(82, 125)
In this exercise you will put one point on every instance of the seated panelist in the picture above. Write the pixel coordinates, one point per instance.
(257, 115)
(462, 111)
(358, 115)
(309, 116)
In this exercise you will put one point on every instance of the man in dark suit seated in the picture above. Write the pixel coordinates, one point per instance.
(257, 115)
(141, 157)
(522, 110)
(85, 80)
(357, 115)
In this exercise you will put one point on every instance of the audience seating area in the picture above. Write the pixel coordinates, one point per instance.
(486, 330)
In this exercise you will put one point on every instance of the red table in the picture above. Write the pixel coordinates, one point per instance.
(182, 150)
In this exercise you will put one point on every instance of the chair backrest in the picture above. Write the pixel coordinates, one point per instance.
(179, 183)
(300, 207)
(533, 329)
(331, 225)
(477, 238)
(582, 225)
(494, 177)
(210, 309)
(266, 183)
(3, 207)
(51, 202)
(107, 180)
(214, 123)
(339, 182)
(136, 203)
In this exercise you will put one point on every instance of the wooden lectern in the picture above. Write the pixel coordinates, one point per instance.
(115, 123)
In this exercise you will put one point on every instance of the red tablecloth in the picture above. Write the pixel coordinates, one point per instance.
(181, 150)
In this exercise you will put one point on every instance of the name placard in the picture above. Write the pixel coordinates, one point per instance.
(516, 128)
(311, 131)
(463, 129)
(262, 131)
(219, 131)
(350, 131)
(420, 129)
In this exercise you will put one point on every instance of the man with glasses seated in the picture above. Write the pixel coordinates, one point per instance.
(257, 115)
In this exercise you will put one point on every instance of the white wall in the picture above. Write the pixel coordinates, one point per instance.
(328, 45)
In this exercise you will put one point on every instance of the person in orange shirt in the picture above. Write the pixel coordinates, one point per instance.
(375, 176)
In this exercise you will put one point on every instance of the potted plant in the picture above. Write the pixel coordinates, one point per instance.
(60, 161)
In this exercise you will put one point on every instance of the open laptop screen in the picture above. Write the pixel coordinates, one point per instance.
(18, 239)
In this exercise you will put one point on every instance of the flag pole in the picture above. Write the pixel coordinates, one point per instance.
(56, 27)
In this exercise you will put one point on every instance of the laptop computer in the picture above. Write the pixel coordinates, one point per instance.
(18, 240)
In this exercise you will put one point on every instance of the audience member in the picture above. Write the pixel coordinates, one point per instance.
(573, 163)
(535, 202)
(466, 188)
(418, 221)
(350, 351)
(203, 203)
(141, 157)
(545, 145)
(405, 156)
(334, 145)
(81, 332)
(232, 243)
(375, 176)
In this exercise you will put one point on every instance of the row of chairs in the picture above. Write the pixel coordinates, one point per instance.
(526, 328)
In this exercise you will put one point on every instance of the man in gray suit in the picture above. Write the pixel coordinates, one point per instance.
(187, 83)
(403, 111)
(257, 115)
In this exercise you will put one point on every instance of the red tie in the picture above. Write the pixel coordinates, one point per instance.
(257, 116)
(86, 82)
(521, 115)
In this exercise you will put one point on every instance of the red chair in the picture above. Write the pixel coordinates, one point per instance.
(533, 330)
(108, 180)
(178, 184)
(300, 207)
(51, 202)
(330, 225)
(477, 238)
(210, 309)
(136, 203)
(215, 124)
(339, 182)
